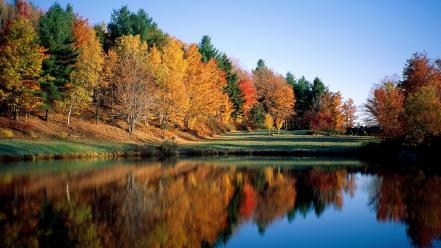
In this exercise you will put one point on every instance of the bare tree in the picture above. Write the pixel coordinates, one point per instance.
(133, 83)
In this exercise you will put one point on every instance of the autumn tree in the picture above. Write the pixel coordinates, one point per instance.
(349, 111)
(169, 68)
(334, 106)
(133, 81)
(232, 88)
(12, 10)
(87, 69)
(276, 95)
(280, 102)
(423, 113)
(249, 94)
(204, 83)
(268, 123)
(419, 72)
(328, 114)
(20, 67)
(56, 34)
(385, 106)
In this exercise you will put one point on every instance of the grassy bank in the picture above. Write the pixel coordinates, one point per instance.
(286, 144)
(15, 149)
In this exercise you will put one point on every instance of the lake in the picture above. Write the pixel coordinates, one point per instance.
(223, 202)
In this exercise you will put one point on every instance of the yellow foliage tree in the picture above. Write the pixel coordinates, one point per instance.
(168, 68)
(423, 113)
(268, 123)
(20, 67)
(87, 69)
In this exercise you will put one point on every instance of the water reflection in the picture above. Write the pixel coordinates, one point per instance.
(197, 204)
(413, 199)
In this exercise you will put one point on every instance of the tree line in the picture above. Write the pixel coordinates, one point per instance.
(129, 69)
(409, 109)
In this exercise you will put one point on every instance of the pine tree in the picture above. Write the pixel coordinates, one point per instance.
(260, 65)
(56, 35)
(232, 89)
(123, 22)
(207, 49)
(290, 79)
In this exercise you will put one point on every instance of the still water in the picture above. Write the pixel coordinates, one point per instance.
(227, 202)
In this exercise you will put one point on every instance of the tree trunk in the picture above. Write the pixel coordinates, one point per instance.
(46, 118)
(69, 114)
(16, 111)
(111, 106)
(97, 105)
(186, 123)
(130, 125)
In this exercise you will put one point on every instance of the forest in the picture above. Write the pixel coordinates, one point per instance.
(56, 62)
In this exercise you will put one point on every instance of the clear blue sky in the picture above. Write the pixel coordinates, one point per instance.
(350, 45)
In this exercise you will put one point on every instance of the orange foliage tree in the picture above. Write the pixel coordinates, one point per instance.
(275, 93)
(204, 83)
(385, 106)
(349, 111)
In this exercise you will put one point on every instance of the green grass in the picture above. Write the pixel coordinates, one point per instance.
(235, 143)
(287, 142)
(26, 149)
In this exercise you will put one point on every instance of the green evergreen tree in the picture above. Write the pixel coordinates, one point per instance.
(232, 89)
(318, 88)
(207, 50)
(57, 37)
(123, 22)
(260, 64)
(290, 78)
(304, 94)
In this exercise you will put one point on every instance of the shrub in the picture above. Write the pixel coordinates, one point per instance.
(32, 134)
(62, 135)
(168, 148)
(6, 133)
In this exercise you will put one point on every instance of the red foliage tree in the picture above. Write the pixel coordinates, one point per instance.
(419, 71)
(249, 94)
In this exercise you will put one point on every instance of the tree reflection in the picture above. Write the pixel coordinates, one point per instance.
(195, 205)
(413, 199)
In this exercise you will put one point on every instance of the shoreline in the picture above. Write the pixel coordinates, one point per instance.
(25, 150)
